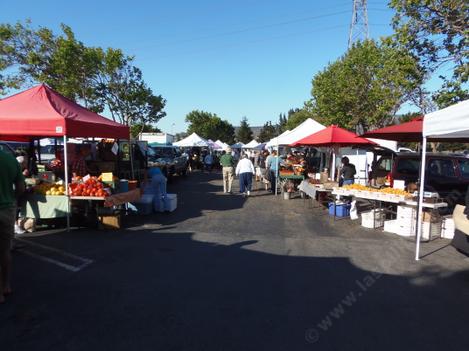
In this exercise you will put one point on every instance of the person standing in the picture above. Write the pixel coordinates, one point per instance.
(272, 164)
(208, 162)
(11, 187)
(227, 162)
(347, 172)
(245, 171)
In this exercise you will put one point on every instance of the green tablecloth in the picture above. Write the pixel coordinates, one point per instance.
(45, 206)
(291, 176)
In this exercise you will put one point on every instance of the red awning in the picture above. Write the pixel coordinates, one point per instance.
(408, 131)
(42, 112)
(333, 135)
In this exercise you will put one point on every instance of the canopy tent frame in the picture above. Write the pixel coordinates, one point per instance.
(448, 124)
(42, 112)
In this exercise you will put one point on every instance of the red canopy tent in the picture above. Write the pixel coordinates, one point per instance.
(408, 131)
(42, 112)
(333, 135)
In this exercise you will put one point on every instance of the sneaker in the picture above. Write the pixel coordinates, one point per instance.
(18, 229)
(249, 193)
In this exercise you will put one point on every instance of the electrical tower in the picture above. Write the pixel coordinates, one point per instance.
(359, 25)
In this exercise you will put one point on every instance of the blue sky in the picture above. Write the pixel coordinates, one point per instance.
(233, 58)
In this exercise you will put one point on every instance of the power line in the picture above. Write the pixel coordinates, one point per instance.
(253, 28)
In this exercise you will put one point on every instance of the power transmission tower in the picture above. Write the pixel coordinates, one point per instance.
(359, 25)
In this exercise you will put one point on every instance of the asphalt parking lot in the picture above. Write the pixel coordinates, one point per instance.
(224, 272)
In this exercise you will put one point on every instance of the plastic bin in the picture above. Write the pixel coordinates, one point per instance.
(158, 203)
(341, 210)
(170, 202)
(123, 185)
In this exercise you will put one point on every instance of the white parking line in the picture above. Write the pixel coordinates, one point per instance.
(84, 261)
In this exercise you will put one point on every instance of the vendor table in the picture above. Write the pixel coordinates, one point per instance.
(377, 200)
(45, 206)
(315, 192)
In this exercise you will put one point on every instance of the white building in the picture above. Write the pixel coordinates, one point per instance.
(160, 138)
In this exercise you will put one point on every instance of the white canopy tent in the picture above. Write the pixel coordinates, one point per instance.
(451, 123)
(192, 141)
(274, 141)
(308, 127)
(223, 145)
(251, 145)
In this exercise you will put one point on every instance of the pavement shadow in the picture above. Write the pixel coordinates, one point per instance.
(196, 194)
(151, 290)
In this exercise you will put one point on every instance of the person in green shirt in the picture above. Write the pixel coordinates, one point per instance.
(11, 186)
(227, 162)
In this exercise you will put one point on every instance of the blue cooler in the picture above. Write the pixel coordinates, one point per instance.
(341, 210)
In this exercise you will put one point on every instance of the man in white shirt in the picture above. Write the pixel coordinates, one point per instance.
(245, 171)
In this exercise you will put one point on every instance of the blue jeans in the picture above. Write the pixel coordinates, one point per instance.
(348, 181)
(273, 179)
(245, 182)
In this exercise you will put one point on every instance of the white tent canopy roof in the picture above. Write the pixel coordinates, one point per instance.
(223, 145)
(191, 141)
(252, 144)
(308, 127)
(450, 122)
(273, 142)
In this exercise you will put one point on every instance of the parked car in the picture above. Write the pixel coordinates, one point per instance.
(446, 174)
(168, 158)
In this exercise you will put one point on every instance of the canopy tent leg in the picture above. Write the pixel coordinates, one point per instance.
(333, 165)
(277, 171)
(66, 182)
(131, 157)
(420, 202)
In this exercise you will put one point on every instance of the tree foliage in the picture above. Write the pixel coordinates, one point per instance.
(365, 87)
(267, 132)
(97, 78)
(244, 132)
(436, 31)
(209, 126)
(297, 117)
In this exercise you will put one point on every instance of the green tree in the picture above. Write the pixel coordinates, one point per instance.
(99, 79)
(297, 117)
(282, 121)
(364, 88)
(209, 126)
(436, 32)
(267, 132)
(244, 133)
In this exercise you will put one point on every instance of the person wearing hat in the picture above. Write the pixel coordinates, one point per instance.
(227, 162)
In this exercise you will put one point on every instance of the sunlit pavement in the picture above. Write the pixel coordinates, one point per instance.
(224, 272)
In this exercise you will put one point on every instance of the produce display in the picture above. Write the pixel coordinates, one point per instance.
(50, 188)
(391, 191)
(314, 181)
(91, 187)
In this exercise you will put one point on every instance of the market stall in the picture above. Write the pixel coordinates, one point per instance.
(332, 137)
(448, 124)
(41, 112)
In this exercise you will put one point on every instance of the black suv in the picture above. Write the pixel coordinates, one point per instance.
(446, 174)
(168, 158)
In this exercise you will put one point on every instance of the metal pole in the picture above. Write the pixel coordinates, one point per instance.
(277, 171)
(420, 202)
(66, 182)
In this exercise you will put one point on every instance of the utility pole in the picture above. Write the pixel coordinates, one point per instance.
(359, 24)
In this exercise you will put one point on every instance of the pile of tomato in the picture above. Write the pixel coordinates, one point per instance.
(92, 187)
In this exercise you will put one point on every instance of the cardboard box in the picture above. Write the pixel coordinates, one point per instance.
(110, 222)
